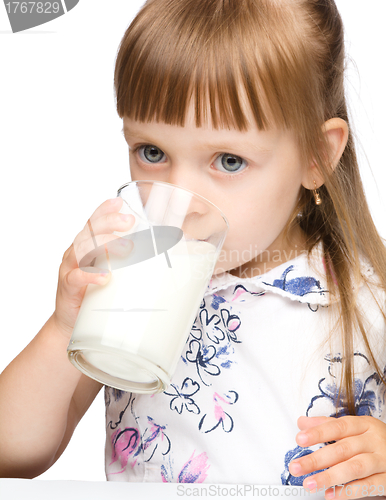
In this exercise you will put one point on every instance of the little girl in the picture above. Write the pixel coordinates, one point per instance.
(242, 102)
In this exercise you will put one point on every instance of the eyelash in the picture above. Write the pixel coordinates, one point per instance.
(228, 176)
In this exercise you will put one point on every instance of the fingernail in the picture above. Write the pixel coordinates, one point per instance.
(302, 438)
(295, 467)
(124, 242)
(125, 217)
(310, 485)
(90, 269)
(114, 200)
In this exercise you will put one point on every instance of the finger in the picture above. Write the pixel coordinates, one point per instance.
(107, 223)
(106, 209)
(305, 423)
(95, 234)
(374, 485)
(67, 252)
(334, 429)
(74, 255)
(330, 455)
(110, 244)
(78, 278)
(120, 247)
(108, 206)
(358, 467)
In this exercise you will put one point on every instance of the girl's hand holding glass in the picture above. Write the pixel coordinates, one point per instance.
(88, 244)
(356, 460)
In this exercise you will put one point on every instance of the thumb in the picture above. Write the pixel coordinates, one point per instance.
(95, 275)
(95, 270)
(83, 276)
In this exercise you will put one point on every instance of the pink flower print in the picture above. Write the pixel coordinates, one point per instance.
(219, 413)
(125, 443)
(221, 417)
(232, 323)
(239, 292)
(195, 469)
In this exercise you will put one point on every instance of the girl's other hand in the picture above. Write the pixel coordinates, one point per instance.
(356, 461)
(88, 244)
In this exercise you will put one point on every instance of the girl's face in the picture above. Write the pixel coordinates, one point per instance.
(253, 177)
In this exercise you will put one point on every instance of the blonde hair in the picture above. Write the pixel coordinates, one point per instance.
(287, 57)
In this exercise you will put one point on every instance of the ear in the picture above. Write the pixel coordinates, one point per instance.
(336, 133)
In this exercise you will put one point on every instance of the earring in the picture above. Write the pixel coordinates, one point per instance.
(318, 200)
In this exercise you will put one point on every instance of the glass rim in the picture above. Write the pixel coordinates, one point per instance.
(162, 183)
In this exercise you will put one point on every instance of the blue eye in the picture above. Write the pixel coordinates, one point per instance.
(151, 154)
(230, 163)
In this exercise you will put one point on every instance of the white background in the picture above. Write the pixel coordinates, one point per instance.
(62, 154)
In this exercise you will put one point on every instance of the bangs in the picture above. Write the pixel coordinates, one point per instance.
(217, 56)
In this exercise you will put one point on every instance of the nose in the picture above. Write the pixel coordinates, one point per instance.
(187, 176)
(168, 205)
(186, 208)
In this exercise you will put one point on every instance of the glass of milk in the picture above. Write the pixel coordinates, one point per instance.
(130, 333)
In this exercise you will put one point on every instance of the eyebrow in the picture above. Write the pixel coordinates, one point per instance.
(203, 146)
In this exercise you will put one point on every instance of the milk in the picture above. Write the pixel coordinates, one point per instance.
(135, 327)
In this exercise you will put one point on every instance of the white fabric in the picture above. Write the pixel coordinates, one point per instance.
(257, 359)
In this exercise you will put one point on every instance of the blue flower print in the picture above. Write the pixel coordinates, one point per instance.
(365, 398)
(213, 332)
(369, 395)
(297, 286)
(182, 397)
(369, 399)
(112, 394)
(286, 476)
(196, 331)
(128, 400)
(223, 354)
(154, 438)
(216, 301)
(202, 355)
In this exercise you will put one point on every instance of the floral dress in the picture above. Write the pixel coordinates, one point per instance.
(257, 358)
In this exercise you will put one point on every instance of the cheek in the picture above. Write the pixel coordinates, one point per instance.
(133, 168)
(259, 216)
(281, 193)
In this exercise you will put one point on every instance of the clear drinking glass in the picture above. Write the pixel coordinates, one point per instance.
(130, 333)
